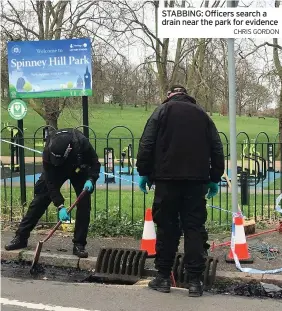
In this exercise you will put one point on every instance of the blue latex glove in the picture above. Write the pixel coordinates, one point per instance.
(143, 182)
(63, 215)
(89, 186)
(212, 189)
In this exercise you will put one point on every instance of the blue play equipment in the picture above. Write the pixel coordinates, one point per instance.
(124, 180)
(255, 170)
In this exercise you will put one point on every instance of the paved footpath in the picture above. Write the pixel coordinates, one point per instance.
(60, 246)
(25, 295)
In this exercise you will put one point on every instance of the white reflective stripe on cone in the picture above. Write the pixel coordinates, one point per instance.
(149, 232)
(240, 237)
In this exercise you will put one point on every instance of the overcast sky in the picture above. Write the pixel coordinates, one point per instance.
(137, 54)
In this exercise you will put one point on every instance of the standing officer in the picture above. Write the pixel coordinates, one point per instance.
(181, 152)
(68, 154)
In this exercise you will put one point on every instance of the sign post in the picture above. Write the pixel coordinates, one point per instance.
(85, 117)
(17, 110)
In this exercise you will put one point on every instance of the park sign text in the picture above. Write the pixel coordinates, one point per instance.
(50, 68)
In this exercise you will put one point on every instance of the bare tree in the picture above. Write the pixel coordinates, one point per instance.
(277, 60)
(48, 20)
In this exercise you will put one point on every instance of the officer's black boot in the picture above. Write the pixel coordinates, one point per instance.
(160, 283)
(195, 286)
(79, 251)
(16, 243)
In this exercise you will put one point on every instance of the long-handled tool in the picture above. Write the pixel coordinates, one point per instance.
(40, 243)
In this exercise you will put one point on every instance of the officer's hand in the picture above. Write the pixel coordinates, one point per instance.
(143, 182)
(89, 186)
(212, 189)
(63, 215)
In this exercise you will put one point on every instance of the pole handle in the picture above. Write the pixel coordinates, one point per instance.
(82, 194)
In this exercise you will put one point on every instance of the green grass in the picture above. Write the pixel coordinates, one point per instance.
(104, 117)
(122, 201)
(274, 185)
(60, 93)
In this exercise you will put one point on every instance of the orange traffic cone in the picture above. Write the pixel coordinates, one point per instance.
(240, 243)
(148, 242)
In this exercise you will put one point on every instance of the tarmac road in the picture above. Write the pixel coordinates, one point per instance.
(26, 295)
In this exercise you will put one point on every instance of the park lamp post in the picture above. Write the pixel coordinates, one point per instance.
(232, 116)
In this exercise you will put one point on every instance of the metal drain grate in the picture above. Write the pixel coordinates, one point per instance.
(181, 278)
(118, 264)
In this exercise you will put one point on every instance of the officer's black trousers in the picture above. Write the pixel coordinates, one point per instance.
(42, 200)
(174, 201)
(203, 229)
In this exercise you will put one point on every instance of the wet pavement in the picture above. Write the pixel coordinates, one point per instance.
(61, 243)
(250, 289)
(21, 270)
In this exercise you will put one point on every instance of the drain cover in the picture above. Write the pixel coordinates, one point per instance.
(180, 276)
(118, 264)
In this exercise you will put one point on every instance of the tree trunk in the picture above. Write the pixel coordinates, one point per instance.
(146, 105)
(224, 104)
(280, 112)
(211, 109)
(278, 67)
(239, 110)
(52, 111)
(211, 101)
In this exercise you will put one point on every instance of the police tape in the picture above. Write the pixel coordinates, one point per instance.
(232, 244)
(40, 152)
(237, 262)
(235, 214)
(109, 174)
(277, 207)
(24, 147)
(221, 209)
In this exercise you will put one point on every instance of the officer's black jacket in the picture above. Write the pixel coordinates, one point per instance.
(81, 160)
(180, 142)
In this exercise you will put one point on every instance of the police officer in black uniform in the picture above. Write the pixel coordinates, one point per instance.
(181, 152)
(67, 154)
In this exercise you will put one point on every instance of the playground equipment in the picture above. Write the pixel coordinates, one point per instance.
(126, 151)
(41, 142)
(15, 138)
(3, 176)
(109, 163)
(15, 155)
(253, 169)
(254, 166)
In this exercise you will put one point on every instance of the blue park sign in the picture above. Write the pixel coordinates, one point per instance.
(50, 68)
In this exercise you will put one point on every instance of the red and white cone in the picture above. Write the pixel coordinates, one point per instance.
(148, 242)
(239, 245)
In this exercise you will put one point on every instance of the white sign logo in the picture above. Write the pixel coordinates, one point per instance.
(16, 49)
(17, 109)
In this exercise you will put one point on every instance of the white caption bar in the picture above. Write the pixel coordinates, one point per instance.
(260, 23)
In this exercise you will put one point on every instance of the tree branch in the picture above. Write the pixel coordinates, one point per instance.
(258, 47)
(19, 22)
